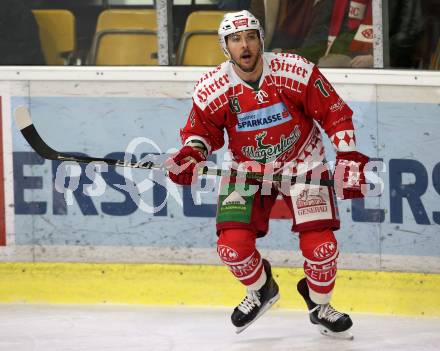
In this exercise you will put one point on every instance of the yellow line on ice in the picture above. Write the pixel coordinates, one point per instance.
(174, 284)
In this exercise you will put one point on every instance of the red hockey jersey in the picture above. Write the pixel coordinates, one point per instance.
(275, 123)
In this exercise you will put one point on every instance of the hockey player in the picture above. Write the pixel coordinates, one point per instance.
(270, 105)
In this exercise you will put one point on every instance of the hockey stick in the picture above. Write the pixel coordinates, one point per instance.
(30, 133)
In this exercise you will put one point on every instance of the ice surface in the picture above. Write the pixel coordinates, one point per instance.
(134, 328)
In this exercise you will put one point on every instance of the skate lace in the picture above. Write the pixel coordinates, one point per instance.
(328, 312)
(251, 300)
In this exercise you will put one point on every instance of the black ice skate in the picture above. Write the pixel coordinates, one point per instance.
(256, 302)
(329, 321)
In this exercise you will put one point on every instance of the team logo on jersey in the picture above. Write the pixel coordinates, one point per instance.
(263, 118)
(265, 153)
(364, 33)
(234, 104)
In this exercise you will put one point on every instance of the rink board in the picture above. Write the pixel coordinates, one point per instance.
(100, 113)
(154, 284)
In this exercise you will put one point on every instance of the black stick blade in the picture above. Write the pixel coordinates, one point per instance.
(30, 133)
(24, 122)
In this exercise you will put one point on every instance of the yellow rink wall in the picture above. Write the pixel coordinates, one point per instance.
(173, 284)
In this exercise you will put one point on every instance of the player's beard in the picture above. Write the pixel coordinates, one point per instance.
(248, 68)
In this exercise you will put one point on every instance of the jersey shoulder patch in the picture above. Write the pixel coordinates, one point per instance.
(290, 66)
(212, 87)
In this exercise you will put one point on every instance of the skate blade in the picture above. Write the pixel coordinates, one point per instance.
(266, 307)
(344, 335)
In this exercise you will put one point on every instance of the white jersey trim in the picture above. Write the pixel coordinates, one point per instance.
(213, 86)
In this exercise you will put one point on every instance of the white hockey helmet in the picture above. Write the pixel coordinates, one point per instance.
(236, 22)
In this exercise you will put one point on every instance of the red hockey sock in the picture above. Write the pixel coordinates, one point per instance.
(236, 248)
(320, 251)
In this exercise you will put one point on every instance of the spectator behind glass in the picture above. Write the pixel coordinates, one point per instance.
(315, 43)
(19, 40)
(286, 22)
(233, 5)
(350, 35)
(341, 31)
(406, 25)
(356, 39)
